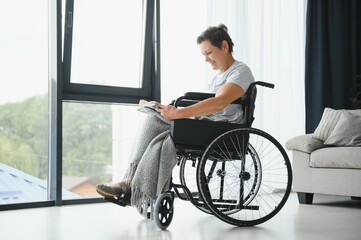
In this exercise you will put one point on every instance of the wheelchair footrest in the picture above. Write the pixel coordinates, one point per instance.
(195, 195)
(116, 200)
(224, 201)
(235, 206)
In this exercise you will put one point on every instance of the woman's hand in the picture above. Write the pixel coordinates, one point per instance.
(167, 111)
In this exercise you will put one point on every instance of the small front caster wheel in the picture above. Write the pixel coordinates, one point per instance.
(163, 210)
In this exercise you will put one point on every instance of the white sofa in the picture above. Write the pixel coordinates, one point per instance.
(329, 160)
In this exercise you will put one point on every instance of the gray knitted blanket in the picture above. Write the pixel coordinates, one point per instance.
(152, 171)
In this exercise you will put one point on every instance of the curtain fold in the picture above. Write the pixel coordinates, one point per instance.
(269, 36)
(333, 52)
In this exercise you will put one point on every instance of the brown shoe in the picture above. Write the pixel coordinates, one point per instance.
(120, 191)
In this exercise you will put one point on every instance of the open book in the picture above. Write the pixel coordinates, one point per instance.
(148, 104)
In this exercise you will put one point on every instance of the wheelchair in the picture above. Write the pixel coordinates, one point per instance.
(241, 175)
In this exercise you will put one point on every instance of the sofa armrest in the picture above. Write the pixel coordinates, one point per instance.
(304, 143)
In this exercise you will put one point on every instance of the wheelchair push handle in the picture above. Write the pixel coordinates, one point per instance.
(263, 84)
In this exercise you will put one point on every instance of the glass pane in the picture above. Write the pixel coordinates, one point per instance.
(182, 65)
(97, 141)
(107, 43)
(23, 101)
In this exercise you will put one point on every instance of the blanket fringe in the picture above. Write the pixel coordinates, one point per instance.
(142, 202)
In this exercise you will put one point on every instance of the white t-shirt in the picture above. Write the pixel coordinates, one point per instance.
(240, 74)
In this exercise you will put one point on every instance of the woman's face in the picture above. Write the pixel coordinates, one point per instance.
(215, 56)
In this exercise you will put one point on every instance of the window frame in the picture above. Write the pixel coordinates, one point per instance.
(150, 75)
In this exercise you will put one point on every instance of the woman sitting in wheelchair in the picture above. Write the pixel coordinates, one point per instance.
(154, 154)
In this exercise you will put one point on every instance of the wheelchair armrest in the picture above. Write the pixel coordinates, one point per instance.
(190, 98)
(198, 95)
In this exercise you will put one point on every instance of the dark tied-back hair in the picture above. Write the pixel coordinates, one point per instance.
(216, 35)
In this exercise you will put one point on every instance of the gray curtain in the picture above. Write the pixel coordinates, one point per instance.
(333, 56)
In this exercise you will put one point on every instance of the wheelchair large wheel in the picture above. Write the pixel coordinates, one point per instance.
(244, 177)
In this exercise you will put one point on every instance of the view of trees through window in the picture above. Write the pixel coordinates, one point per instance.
(23, 101)
(87, 147)
(24, 135)
(24, 138)
(87, 140)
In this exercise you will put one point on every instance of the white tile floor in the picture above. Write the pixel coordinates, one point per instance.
(331, 218)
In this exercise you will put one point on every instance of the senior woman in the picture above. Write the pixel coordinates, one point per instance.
(154, 154)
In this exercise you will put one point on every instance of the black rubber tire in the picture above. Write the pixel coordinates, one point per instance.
(235, 193)
(163, 210)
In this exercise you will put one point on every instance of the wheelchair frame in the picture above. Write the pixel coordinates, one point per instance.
(228, 155)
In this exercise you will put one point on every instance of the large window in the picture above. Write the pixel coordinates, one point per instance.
(92, 61)
(23, 101)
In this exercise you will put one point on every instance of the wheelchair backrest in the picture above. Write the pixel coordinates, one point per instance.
(249, 101)
(249, 104)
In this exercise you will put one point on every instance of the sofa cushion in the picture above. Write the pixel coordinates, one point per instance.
(336, 157)
(330, 118)
(304, 143)
(347, 131)
(328, 122)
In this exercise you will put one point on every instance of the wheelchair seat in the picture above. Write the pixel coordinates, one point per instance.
(196, 134)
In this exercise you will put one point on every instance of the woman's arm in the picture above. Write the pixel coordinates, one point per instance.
(224, 96)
